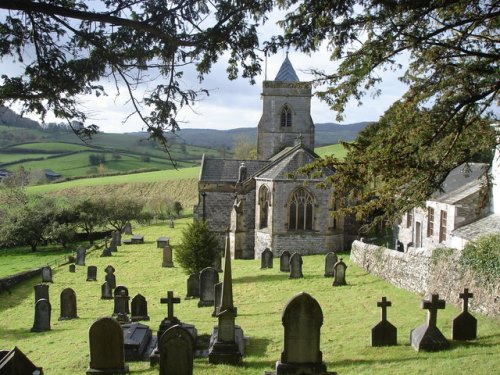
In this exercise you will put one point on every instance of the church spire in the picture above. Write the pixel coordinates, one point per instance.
(287, 72)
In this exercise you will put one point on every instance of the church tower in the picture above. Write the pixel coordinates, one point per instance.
(286, 113)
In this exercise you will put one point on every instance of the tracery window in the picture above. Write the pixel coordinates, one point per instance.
(264, 203)
(286, 116)
(300, 210)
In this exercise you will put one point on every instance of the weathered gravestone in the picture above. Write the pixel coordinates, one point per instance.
(384, 333)
(68, 304)
(41, 292)
(127, 229)
(330, 260)
(106, 291)
(42, 316)
(15, 362)
(464, 326)
(139, 308)
(117, 292)
(110, 277)
(71, 259)
(339, 273)
(167, 257)
(107, 354)
(106, 252)
(266, 260)
(217, 298)
(171, 223)
(218, 262)
(193, 286)
(122, 301)
(46, 274)
(177, 352)
(81, 253)
(302, 320)
(285, 261)
(118, 237)
(137, 341)
(296, 266)
(137, 239)
(428, 337)
(72, 268)
(208, 278)
(91, 273)
(161, 242)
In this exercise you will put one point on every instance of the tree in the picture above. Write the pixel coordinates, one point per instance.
(178, 208)
(441, 121)
(198, 247)
(244, 149)
(90, 216)
(119, 211)
(67, 47)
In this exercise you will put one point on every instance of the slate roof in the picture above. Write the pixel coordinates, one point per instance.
(287, 72)
(487, 225)
(225, 170)
(462, 182)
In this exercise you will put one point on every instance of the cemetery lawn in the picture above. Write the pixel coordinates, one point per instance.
(349, 314)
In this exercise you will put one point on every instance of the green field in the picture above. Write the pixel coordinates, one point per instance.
(349, 314)
(337, 150)
(51, 146)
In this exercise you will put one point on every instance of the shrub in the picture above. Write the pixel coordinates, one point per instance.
(483, 257)
(198, 248)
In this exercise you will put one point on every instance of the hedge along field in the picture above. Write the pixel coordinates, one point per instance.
(349, 313)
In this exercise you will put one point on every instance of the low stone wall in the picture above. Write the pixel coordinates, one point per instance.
(428, 271)
(8, 282)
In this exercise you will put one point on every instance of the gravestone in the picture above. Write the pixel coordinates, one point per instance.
(339, 273)
(15, 362)
(384, 333)
(137, 239)
(218, 262)
(41, 291)
(428, 337)
(285, 261)
(107, 354)
(106, 291)
(139, 308)
(177, 351)
(122, 302)
(127, 229)
(68, 304)
(296, 266)
(302, 320)
(46, 274)
(171, 223)
(71, 259)
(161, 242)
(117, 292)
(138, 341)
(110, 276)
(91, 273)
(266, 260)
(464, 326)
(118, 237)
(106, 252)
(167, 257)
(217, 298)
(208, 278)
(72, 268)
(193, 286)
(81, 253)
(42, 316)
(330, 260)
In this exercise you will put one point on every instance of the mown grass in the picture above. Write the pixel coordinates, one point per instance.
(337, 150)
(349, 313)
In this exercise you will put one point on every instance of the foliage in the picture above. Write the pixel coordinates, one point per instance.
(96, 159)
(483, 257)
(440, 122)
(118, 211)
(178, 208)
(198, 248)
(244, 148)
(91, 215)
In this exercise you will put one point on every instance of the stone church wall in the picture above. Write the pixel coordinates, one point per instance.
(428, 271)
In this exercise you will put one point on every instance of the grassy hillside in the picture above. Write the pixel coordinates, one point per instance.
(349, 314)
(337, 150)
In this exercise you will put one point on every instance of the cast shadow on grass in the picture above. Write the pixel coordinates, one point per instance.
(260, 278)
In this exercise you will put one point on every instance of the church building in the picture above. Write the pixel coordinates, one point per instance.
(264, 203)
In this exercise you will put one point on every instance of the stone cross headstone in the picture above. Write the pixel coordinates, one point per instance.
(72, 268)
(217, 298)
(42, 316)
(139, 308)
(127, 229)
(208, 278)
(428, 337)
(302, 320)
(117, 292)
(91, 273)
(296, 266)
(167, 257)
(339, 273)
(81, 253)
(110, 276)
(330, 260)
(285, 261)
(193, 286)
(170, 300)
(384, 333)
(107, 354)
(41, 291)
(68, 304)
(46, 274)
(464, 326)
(106, 291)
(266, 259)
(122, 314)
(177, 351)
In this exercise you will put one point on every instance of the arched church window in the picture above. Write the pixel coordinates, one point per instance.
(264, 203)
(300, 210)
(286, 116)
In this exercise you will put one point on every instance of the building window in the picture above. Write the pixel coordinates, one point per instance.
(264, 203)
(301, 210)
(430, 221)
(286, 117)
(409, 219)
(442, 226)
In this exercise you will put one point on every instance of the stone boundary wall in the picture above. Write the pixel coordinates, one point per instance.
(8, 282)
(421, 271)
